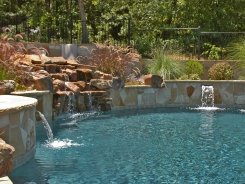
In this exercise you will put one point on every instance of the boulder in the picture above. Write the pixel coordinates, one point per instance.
(6, 156)
(72, 75)
(72, 62)
(155, 81)
(43, 82)
(58, 85)
(117, 83)
(81, 85)
(84, 74)
(101, 75)
(58, 61)
(45, 59)
(52, 68)
(101, 83)
(60, 76)
(6, 87)
(36, 59)
(72, 87)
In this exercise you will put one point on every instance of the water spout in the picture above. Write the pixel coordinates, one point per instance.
(46, 126)
(207, 96)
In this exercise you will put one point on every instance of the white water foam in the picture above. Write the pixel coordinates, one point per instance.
(60, 144)
(208, 108)
(242, 110)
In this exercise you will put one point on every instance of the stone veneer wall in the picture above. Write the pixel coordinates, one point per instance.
(179, 94)
(17, 122)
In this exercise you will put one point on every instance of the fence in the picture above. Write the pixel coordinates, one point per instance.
(192, 43)
(116, 33)
(187, 43)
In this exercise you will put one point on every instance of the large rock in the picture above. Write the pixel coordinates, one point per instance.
(81, 84)
(60, 76)
(6, 156)
(72, 87)
(36, 59)
(155, 81)
(84, 74)
(6, 87)
(52, 68)
(58, 61)
(101, 75)
(58, 85)
(72, 75)
(101, 83)
(42, 82)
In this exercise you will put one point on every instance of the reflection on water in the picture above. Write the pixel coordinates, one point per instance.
(206, 126)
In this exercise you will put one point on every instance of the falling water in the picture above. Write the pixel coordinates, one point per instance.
(207, 96)
(71, 103)
(46, 126)
(90, 102)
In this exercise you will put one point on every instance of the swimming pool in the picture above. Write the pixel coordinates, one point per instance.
(164, 145)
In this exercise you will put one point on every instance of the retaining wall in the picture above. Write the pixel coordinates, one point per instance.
(17, 124)
(179, 94)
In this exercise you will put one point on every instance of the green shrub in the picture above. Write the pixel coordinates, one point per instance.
(220, 71)
(212, 52)
(164, 65)
(236, 51)
(4, 74)
(193, 67)
(190, 77)
(144, 45)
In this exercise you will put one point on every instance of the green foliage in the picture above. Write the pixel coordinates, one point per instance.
(212, 52)
(190, 77)
(220, 71)
(236, 51)
(144, 45)
(193, 67)
(164, 65)
(4, 74)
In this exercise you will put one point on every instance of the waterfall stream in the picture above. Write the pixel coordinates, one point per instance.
(46, 126)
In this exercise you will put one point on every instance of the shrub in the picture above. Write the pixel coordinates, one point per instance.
(164, 65)
(220, 71)
(193, 67)
(120, 62)
(11, 51)
(190, 77)
(212, 52)
(144, 45)
(4, 74)
(236, 51)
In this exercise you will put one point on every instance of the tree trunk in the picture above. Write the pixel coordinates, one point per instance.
(83, 22)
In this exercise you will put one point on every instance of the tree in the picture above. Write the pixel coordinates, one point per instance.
(85, 38)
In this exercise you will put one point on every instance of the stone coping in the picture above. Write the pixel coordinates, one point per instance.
(190, 81)
(206, 81)
(5, 180)
(15, 103)
(33, 92)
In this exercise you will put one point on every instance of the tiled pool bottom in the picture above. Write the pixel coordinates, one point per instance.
(142, 146)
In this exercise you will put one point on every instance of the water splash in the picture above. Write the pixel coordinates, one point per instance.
(60, 144)
(47, 127)
(207, 108)
(242, 110)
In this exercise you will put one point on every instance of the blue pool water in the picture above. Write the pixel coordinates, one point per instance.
(141, 146)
